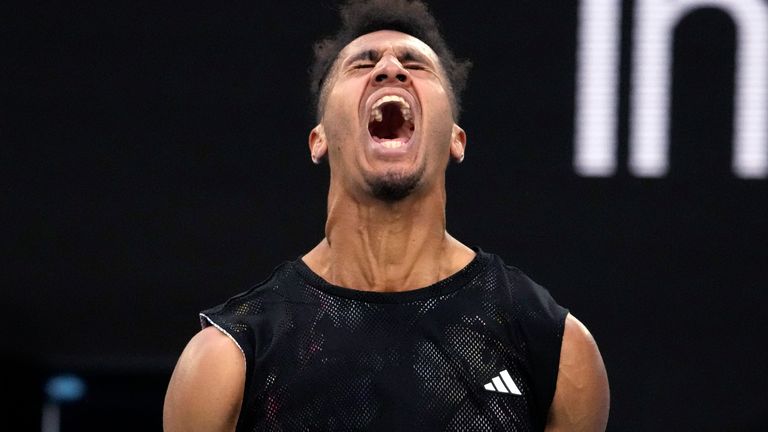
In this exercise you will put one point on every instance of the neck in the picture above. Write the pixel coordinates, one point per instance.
(383, 246)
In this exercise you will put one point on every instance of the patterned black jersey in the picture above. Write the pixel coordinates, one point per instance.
(478, 351)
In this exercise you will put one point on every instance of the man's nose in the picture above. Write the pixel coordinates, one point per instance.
(390, 71)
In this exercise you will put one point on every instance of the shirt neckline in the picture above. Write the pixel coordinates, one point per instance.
(437, 289)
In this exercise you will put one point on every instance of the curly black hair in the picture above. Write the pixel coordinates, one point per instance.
(360, 17)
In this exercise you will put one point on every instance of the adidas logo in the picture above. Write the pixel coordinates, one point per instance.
(503, 384)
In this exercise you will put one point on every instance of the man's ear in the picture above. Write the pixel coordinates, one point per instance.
(458, 143)
(318, 145)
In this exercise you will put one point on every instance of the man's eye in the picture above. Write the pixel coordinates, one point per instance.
(414, 66)
(363, 65)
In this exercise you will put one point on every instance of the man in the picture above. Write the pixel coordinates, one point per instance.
(389, 323)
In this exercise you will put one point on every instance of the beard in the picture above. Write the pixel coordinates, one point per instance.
(394, 186)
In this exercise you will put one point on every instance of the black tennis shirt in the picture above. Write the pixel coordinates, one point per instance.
(478, 351)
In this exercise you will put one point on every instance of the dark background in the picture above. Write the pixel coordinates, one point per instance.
(155, 162)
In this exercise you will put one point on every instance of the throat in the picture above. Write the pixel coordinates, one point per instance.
(373, 245)
(389, 123)
(392, 269)
(385, 247)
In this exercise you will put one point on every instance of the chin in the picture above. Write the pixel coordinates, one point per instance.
(394, 186)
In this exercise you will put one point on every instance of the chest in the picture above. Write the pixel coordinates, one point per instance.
(359, 367)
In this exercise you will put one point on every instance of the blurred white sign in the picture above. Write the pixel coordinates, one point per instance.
(654, 23)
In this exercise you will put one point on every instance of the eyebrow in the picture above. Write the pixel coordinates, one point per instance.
(370, 55)
(411, 55)
(403, 55)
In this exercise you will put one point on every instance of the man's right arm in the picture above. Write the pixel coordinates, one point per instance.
(206, 389)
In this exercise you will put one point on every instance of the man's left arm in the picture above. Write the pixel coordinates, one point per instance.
(582, 398)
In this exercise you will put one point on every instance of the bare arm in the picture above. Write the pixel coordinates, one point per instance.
(582, 397)
(206, 389)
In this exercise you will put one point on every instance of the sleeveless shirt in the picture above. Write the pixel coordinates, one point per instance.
(478, 351)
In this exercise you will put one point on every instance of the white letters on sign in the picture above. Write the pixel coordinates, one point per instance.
(654, 24)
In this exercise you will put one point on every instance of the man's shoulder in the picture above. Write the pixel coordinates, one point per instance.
(516, 278)
(530, 297)
(254, 299)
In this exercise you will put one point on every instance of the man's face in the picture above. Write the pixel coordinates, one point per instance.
(387, 126)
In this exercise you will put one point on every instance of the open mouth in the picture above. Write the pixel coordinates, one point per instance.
(391, 122)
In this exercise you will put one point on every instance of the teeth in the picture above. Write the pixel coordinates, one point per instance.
(406, 113)
(390, 98)
(392, 144)
(405, 108)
